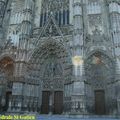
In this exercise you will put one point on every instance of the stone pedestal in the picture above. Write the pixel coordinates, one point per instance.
(9, 108)
(78, 98)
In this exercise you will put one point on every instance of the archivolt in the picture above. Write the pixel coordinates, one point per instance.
(51, 47)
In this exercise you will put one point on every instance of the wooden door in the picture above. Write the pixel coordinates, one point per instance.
(45, 102)
(100, 102)
(58, 102)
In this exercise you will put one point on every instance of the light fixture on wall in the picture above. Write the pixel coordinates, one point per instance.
(77, 60)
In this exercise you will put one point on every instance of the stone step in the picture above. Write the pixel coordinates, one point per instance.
(62, 117)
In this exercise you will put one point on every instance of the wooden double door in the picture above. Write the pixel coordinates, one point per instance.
(57, 102)
(100, 102)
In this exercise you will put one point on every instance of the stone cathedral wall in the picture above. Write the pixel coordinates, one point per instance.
(60, 49)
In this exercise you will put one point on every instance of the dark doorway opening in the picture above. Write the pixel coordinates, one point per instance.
(58, 102)
(45, 102)
(52, 102)
(100, 102)
(8, 95)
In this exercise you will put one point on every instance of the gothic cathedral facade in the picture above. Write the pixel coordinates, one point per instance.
(60, 56)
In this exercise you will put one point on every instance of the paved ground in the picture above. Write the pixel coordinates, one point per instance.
(71, 118)
(62, 117)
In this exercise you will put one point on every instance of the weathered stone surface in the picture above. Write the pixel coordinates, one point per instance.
(64, 48)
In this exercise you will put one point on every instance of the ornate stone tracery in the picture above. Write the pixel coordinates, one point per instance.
(40, 65)
(101, 68)
(51, 64)
(54, 5)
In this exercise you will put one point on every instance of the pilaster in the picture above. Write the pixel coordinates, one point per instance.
(3, 4)
(114, 14)
(78, 94)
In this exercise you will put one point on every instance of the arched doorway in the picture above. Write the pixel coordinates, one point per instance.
(100, 75)
(52, 95)
(6, 73)
(51, 60)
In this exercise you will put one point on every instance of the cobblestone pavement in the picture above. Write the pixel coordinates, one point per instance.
(47, 117)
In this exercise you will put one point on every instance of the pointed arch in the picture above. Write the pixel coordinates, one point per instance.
(48, 48)
(100, 77)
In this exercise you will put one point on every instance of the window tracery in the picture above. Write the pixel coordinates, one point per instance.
(59, 9)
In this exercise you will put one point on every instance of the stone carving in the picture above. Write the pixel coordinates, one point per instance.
(54, 5)
(42, 59)
(95, 20)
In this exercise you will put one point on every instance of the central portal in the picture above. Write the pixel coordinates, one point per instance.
(52, 102)
(100, 102)
(52, 72)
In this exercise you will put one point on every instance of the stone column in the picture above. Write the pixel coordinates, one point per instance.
(78, 95)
